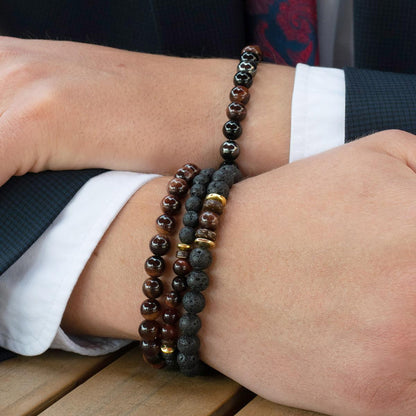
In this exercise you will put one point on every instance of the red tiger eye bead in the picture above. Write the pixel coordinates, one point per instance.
(171, 316)
(170, 204)
(169, 332)
(239, 94)
(209, 220)
(182, 267)
(151, 309)
(236, 111)
(149, 330)
(178, 187)
(166, 223)
(150, 348)
(159, 244)
(172, 299)
(153, 287)
(179, 284)
(156, 361)
(154, 266)
(187, 172)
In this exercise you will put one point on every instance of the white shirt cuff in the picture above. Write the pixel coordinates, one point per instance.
(318, 111)
(34, 291)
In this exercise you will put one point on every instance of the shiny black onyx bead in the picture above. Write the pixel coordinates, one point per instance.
(200, 258)
(254, 49)
(246, 66)
(190, 219)
(187, 235)
(179, 284)
(232, 130)
(193, 302)
(197, 280)
(243, 78)
(159, 244)
(154, 266)
(250, 57)
(189, 324)
(188, 344)
(219, 187)
(193, 203)
(230, 150)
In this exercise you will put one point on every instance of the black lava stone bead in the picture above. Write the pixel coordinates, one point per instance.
(189, 324)
(201, 179)
(200, 258)
(188, 344)
(238, 176)
(193, 302)
(193, 203)
(198, 190)
(221, 175)
(197, 280)
(218, 187)
(187, 235)
(187, 361)
(190, 219)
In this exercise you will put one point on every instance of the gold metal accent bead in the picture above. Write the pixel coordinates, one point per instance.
(167, 350)
(183, 246)
(204, 243)
(217, 197)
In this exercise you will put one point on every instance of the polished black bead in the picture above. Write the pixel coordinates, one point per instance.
(197, 280)
(247, 67)
(193, 302)
(189, 324)
(179, 284)
(159, 244)
(200, 258)
(187, 361)
(188, 344)
(243, 78)
(232, 130)
(193, 203)
(198, 190)
(230, 150)
(190, 218)
(218, 187)
(255, 49)
(250, 57)
(222, 175)
(187, 235)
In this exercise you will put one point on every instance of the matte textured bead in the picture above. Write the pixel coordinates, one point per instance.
(150, 309)
(172, 299)
(214, 206)
(202, 179)
(166, 223)
(208, 220)
(230, 150)
(189, 324)
(208, 172)
(154, 266)
(223, 175)
(243, 78)
(250, 57)
(236, 111)
(149, 330)
(187, 235)
(169, 332)
(200, 258)
(246, 66)
(187, 361)
(197, 280)
(205, 233)
(255, 49)
(179, 284)
(159, 244)
(240, 94)
(190, 218)
(238, 176)
(193, 302)
(150, 348)
(193, 203)
(188, 344)
(153, 287)
(218, 187)
(171, 316)
(232, 130)
(178, 186)
(187, 172)
(170, 204)
(198, 190)
(182, 267)
(194, 371)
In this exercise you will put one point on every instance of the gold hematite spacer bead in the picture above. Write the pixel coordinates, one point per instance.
(167, 350)
(183, 246)
(204, 243)
(217, 197)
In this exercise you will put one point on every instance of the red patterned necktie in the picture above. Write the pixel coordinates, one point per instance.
(286, 30)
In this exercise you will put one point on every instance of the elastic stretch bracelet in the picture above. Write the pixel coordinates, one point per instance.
(162, 345)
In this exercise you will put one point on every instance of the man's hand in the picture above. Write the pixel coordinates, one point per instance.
(66, 105)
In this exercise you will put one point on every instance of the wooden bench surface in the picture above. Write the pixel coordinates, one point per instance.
(65, 384)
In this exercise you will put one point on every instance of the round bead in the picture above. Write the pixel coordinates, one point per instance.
(187, 235)
(222, 175)
(187, 172)
(198, 190)
(188, 344)
(217, 197)
(230, 151)
(149, 330)
(249, 57)
(232, 130)
(190, 218)
(150, 347)
(255, 49)
(197, 370)
(246, 66)
(205, 233)
(153, 287)
(197, 280)
(193, 203)
(243, 78)
(204, 243)
(193, 302)
(179, 284)
(150, 309)
(172, 299)
(189, 324)
(154, 266)
(214, 206)
(156, 361)
(240, 94)
(178, 187)
(187, 361)
(200, 258)
(202, 178)
(208, 172)
(159, 244)
(166, 223)
(208, 220)
(219, 187)
(170, 204)
(182, 267)
(238, 176)
(169, 332)
(236, 111)
(171, 316)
